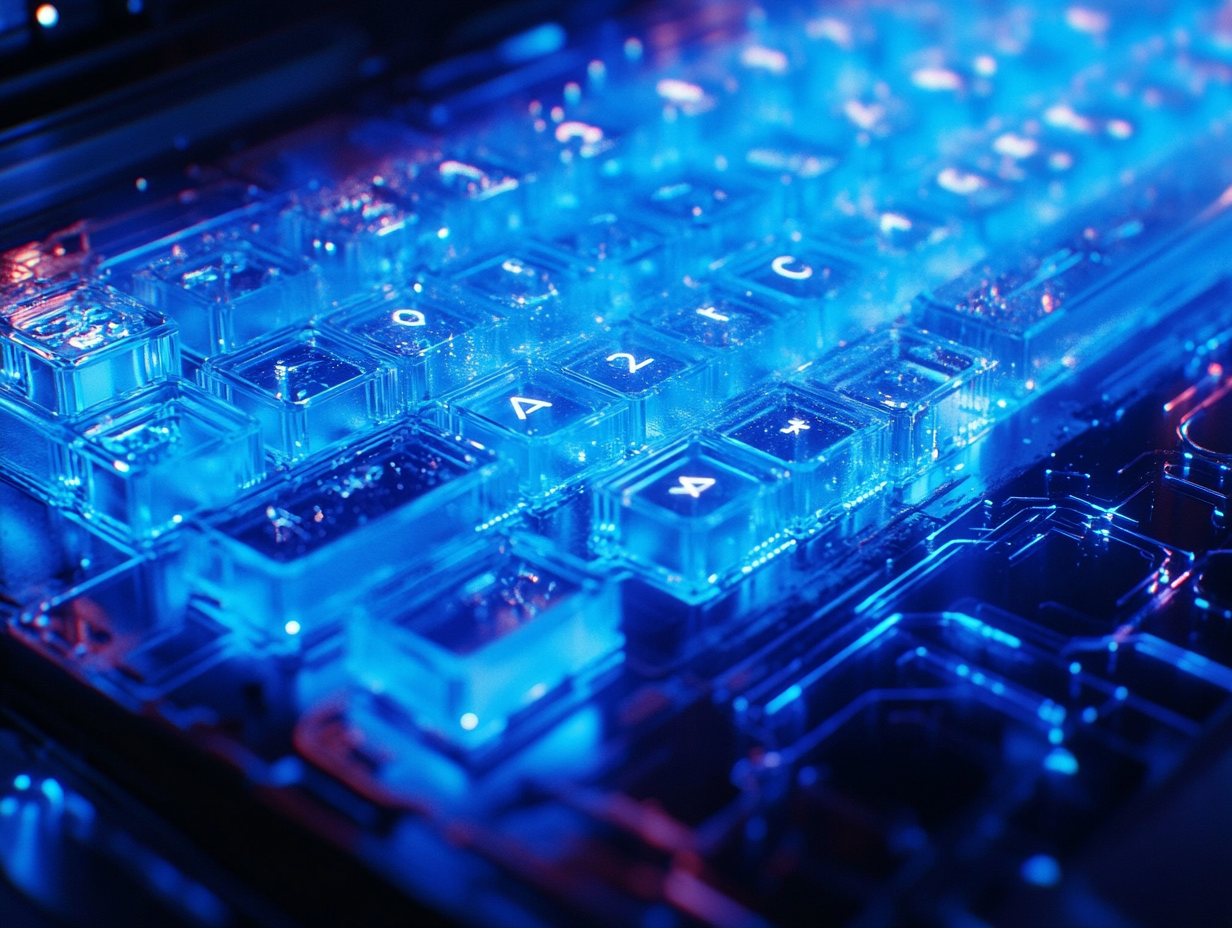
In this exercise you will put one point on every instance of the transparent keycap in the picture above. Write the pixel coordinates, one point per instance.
(542, 293)
(27, 268)
(936, 393)
(623, 257)
(554, 428)
(44, 551)
(746, 340)
(359, 232)
(833, 453)
(310, 388)
(485, 640)
(704, 215)
(470, 199)
(30, 441)
(224, 287)
(75, 346)
(1045, 314)
(149, 460)
(819, 284)
(441, 339)
(693, 517)
(668, 384)
(296, 556)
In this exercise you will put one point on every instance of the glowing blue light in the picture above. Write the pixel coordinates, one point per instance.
(53, 791)
(1059, 760)
(784, 698)
(533, 43)
(22, 781)
(1041, 870)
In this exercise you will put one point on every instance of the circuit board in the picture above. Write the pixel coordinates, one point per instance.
(731, 465)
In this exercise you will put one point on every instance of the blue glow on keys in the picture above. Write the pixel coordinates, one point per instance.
(77, 345)
(690, 517)
(833, 452)
(554, 429)
(293, 557)
(224, 286)
(486, 638)
(640, 454)
(310, 388)
(148, 460)
(440, 339)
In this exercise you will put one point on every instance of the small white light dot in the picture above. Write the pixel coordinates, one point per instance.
(292, 627)
(469, 721)
(47, 15)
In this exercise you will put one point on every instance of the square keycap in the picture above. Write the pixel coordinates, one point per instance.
(623, 258)
(668, 384)
(358, 232)
(465, 202)
(147, 461)
(745, 339)
(692, 517)
(554, 428)
(31, 443)
(936, 393)
(440, 338)
(489, 637)
(545, 296)
(295, 556)
(311, 388)
(78, 345)
(224, 286)
(833, 452)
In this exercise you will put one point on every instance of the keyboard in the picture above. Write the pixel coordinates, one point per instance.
(724, 464)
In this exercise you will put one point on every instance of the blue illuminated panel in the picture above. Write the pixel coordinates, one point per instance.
(670, 469)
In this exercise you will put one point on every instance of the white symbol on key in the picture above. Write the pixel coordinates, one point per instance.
(524, 407)
(795, 427)
(572, 129)
(634, 364)
(711, 313)
(692, 486)
(411, 317)
(780, 266)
